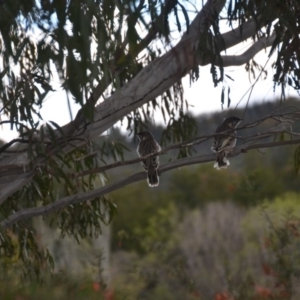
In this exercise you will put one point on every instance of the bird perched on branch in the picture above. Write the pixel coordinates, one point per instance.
(224, 144)
(148, 145)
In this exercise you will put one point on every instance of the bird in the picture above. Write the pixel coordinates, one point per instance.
(224, 144)
(148, 145)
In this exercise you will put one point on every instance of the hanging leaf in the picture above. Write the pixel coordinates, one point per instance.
(186, 17)
(229, 77)
(222, 96)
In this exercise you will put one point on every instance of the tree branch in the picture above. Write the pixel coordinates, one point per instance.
(285, 123)
(285, 120)
(148, 84)
(238, 60)
(127, 59)
(238, 35)
(156, 77)
(81, 197)
(171, 67)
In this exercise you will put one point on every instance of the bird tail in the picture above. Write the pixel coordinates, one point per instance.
(221, 161)
(152, 179)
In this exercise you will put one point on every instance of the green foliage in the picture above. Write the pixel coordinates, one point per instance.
(156, 234)
(194, 187)
(55, 180)
(279, 222)
(257, 185)
(244, 254)
(279, 209)
(58, 288)
(287, 41)
(179, 130)
(95, 48)
(259, 182)
(160, 266)
(90, 43)
(22, 257)
(134, 204)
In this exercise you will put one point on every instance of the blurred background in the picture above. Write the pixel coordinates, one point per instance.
(202, 234)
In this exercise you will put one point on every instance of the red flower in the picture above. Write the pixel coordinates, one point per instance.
(223, 296)
(96, 286)
(263, 292)
(109, 295)
(268, 270)
(285, 294)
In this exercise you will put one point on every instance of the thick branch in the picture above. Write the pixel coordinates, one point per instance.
(238, 35)
(168, 70)
(157, 77)
(81, 197)
(238, 60)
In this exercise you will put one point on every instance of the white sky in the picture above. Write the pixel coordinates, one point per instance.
(207, 98)
(201, 95)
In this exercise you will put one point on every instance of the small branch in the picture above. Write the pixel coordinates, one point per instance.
(18, 182)
(18, 170)
(285, 121)
(237, 35)
(7, 145)
(198, 140)
(81, 197)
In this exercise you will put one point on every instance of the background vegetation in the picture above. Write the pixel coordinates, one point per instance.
(202, 234)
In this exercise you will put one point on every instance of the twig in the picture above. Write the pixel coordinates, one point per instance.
(81, 197)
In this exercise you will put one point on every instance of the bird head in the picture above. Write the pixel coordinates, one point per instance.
(232, 122)
(144, 135)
